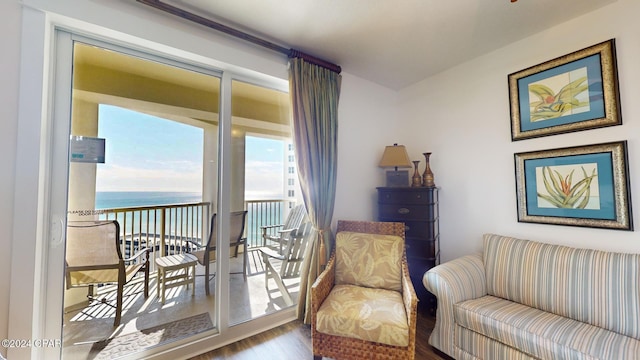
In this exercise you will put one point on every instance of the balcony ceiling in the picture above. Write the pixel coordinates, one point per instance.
(392, 43)
(91, 56)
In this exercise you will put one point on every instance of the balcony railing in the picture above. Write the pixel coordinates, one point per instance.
(171, 229)
(166, 229)
(262, 213)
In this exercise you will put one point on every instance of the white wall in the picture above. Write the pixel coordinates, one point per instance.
(10, 65)
(462, 116)
(367, 121)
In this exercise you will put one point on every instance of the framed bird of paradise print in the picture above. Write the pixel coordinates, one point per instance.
(577, 91)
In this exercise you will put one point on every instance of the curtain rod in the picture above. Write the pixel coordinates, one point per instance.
(291, 53)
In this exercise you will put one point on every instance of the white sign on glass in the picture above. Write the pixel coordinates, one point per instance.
(86, 149)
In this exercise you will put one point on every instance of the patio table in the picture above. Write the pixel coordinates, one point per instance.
(183, 272)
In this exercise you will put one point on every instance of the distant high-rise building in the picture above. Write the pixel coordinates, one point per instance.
(292, 186)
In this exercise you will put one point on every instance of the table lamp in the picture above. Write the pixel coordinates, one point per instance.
(396, 157)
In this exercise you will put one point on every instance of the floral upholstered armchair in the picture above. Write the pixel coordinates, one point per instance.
(363, 304)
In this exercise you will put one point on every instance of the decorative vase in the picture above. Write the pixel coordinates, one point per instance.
(416, 180)
(427, 177)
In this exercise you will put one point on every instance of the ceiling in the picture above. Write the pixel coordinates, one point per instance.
(110, 77)
(394, 43)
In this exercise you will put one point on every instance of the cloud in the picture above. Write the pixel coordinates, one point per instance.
(122, 178)
(264, 179)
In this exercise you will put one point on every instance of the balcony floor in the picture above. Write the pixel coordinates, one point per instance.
(85, 327)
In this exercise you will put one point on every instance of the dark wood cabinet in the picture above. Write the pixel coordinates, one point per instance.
(417, 208)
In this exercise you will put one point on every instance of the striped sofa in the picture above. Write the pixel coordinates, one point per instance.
(521, 299)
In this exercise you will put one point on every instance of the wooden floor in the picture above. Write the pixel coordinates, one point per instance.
(293, 341)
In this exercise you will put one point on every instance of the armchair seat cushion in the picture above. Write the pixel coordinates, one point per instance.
(363, 313)
(538, 333)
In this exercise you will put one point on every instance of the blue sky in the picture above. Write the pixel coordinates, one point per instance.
(147, 153)
(151, 154)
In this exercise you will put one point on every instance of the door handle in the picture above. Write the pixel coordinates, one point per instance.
(56, 231)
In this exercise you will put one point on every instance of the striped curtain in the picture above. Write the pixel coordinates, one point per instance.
(314, 92)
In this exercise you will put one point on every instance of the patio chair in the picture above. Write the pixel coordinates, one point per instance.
(363, 305)
(206, 254)
(293, 221)
(290, 261)
(93, 257)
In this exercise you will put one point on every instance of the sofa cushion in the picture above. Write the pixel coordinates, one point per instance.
(542, 334)
(474, 346)
(370, 260)
(368, 314)
(596, 287)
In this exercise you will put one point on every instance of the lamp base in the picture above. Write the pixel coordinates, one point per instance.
(399, 178)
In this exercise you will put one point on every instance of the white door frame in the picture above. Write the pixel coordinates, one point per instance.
(40, 192)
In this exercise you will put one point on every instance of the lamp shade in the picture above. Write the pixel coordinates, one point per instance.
(395, 156)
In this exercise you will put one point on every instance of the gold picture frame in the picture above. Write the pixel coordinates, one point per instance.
(576, 186)
(577, 91)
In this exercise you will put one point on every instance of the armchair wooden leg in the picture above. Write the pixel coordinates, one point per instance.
(317, 357)
(271, 273)
(266, 271)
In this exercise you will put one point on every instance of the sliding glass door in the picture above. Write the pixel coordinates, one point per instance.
(142, 154)
(160, 147)
(263, 184)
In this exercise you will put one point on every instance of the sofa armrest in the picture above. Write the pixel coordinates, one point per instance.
(452, 282)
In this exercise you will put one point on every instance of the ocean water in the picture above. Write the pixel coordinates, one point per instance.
(123, 199)
(127, 199)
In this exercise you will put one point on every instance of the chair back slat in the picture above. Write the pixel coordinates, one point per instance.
(295, 251)
(295, 218)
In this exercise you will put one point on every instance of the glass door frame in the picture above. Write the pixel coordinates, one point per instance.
(42, 149)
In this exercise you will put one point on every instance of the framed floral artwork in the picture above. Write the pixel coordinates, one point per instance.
(577, 91)
(577, 186)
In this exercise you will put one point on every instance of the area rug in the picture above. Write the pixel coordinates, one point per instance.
(126, 344)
